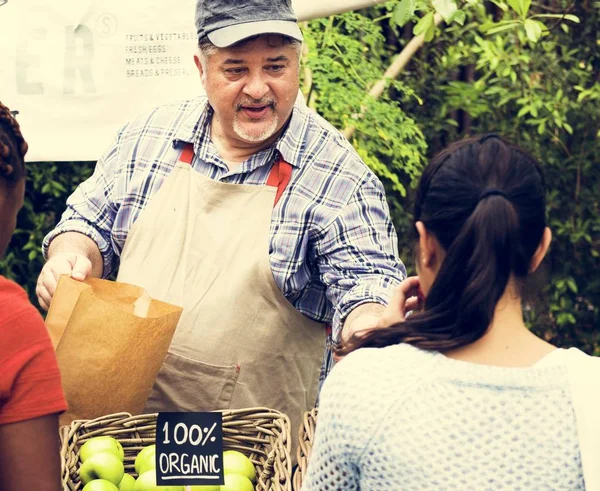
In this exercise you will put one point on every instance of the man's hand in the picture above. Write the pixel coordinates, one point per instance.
(75, 265)
(371, 316)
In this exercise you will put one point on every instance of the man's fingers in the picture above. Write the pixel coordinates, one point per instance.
(75, 265)
(43, 297)
(54, 269)
(82, 268)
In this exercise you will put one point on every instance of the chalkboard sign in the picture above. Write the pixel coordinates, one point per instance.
(189, 449)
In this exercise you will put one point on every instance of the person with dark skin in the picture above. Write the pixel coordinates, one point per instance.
(31, 396)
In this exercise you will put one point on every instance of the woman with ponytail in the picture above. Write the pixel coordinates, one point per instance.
(458, 395)
(31, 396)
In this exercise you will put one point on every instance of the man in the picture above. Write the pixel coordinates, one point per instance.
(251, 212)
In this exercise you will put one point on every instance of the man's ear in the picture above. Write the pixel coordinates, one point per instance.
(541, 251)
(200, 68)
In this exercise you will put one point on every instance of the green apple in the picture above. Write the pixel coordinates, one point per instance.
(103, 465)
(235, 462)
(205, 488)
(237, 482)
(146, 453)
(100, 485)
(100, 444)
(147, 464)
(127, 483)
(147, 482)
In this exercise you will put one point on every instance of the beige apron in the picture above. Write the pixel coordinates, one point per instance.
(204, 245)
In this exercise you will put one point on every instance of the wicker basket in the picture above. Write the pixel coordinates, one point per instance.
(306, 436)
(261, 434)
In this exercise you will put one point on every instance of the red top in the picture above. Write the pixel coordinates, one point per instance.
(29, 378)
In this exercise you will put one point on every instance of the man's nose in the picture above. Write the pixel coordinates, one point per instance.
(256, 86)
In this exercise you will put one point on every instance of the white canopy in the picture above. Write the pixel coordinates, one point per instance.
(76, 70)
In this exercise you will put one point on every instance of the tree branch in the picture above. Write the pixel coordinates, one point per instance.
(392, 72)
(307, 85)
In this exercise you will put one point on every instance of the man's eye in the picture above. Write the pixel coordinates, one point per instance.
(235, 71)
(275, 68)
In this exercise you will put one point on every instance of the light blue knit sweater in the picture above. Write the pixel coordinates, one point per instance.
(400, 418)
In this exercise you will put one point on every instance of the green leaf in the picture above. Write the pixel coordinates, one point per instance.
(430, 32)
(572, 285)
(500, 4)
(505, 27)
(404, 12)
(517, 6)
(542, 127)
(424, 24)
(533, 29)
(446, 8)
(523, 111)
(460, 17)
(571, 17)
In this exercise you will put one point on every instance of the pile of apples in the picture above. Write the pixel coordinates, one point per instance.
(102, 469)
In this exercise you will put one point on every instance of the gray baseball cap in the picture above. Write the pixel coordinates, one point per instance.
(227, 22)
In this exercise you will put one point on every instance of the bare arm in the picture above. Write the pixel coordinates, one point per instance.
(74, 242)
(30, 455)
(363, 317)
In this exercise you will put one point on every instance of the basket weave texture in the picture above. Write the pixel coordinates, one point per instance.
(306, 437)
(261, 434)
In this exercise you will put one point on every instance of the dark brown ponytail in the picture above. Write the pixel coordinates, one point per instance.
(484, 200)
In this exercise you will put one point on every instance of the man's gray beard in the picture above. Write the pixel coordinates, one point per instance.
(253, 136)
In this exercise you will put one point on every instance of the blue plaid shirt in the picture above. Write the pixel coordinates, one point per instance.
(333, 245)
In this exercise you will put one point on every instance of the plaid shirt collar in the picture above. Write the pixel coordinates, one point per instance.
(195, 129)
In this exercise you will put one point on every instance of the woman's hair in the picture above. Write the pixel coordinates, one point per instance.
(12, 147)
(484, 200)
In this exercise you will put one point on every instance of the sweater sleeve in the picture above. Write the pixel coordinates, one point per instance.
(30, 384)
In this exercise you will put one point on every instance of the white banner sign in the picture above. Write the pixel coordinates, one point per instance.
(77, 70)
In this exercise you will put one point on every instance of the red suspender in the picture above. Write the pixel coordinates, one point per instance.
(279, 177)
(187, 154)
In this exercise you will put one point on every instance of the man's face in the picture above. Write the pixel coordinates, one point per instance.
(252, 88)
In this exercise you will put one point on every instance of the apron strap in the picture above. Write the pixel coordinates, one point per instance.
(279, 177)
(187, 154)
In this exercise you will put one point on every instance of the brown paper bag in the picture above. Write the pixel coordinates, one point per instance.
(110, 340)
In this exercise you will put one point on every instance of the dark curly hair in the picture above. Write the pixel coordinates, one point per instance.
(13, 147)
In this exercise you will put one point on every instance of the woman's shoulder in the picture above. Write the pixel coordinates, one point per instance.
(379, 373)
(397, 357)
(20, 322)
(10, 291)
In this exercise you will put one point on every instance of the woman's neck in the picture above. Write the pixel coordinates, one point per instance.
(507, 342)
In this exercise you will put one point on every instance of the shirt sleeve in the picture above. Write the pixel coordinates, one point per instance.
(30, 384)
(358, 255)
(91, 210)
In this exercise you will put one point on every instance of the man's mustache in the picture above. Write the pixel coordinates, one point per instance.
(255, 103)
